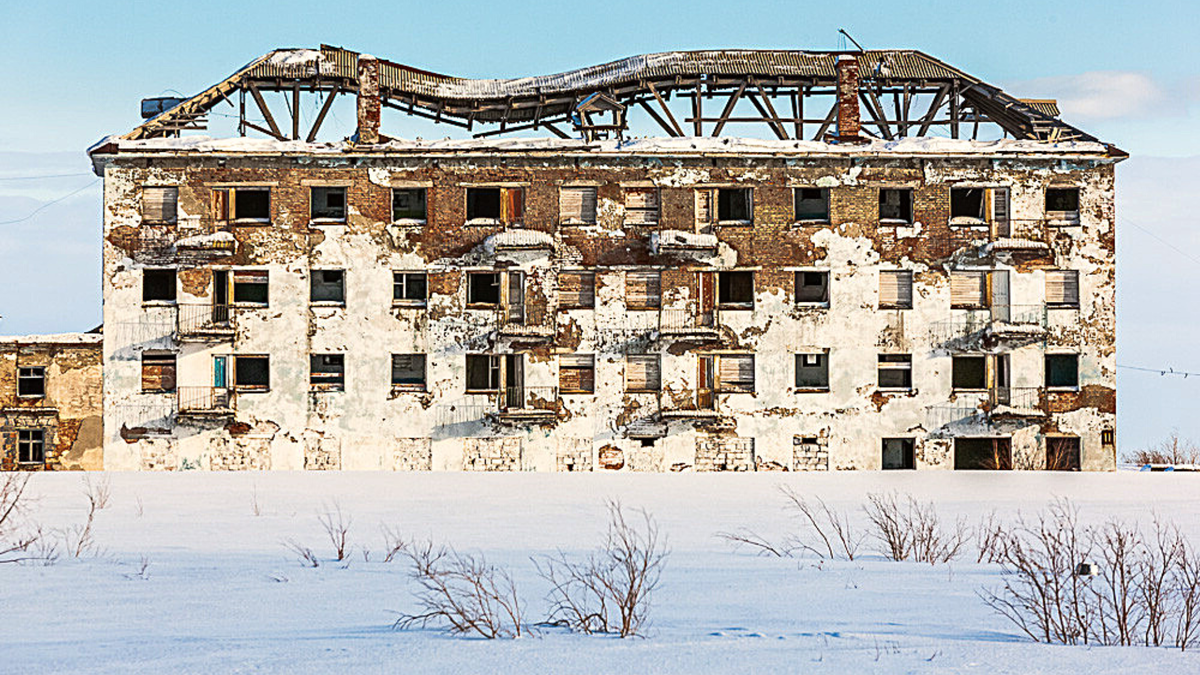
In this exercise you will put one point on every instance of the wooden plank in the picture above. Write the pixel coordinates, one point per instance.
(780, 131)
(697, 110)
(936, 105)
(870, 100)
(661, 122)
(828, 121)
(266, 113)
(663, 104)
(798, 114)
(555, 130)
(312, 133)
(733, 99)
(295, 111)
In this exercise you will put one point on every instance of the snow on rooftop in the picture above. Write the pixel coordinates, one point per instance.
(54, 339)
(308, 60)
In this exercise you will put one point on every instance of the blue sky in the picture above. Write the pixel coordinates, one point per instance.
(1126, 72)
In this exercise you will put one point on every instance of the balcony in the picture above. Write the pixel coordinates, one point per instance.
(515, 238)
(998, 323)
(684, 323)
(215, 241)
(1029, 238)
(1012, 402)
(691, 404)
(186, 239)
(682, 242)
(522, 403)
(203, 402)
(204, 323)
(519, 320)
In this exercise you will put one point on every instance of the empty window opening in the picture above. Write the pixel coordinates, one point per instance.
(31, 446)
(641, 206)
(898, 454)
(483, 373)
(160, 204)
(895, 371)
(735, 205)
(1062, 370)
(735, 289)
(328, 204)
(1063, 453)
(483, 288)
(812, 287)
(409, 288)
(251, 287)
(158, 285)
(982, 454)
(812, 371)
(408, 204)
(967, 205)
(1062, 289)
(251, 373)
(895, 289)
(969, 372)
(577, 290)
(735, 372)
(811, 204)
(577, 373)
(158, 373)
(408, 371)
(502, 205)
(1108, 437)
(643, 289)
(1062, 201)
(31, 381)
(642, 372)
(329, 286)
(251, 204)
(577, 205)
(327, 372)
(895, 206)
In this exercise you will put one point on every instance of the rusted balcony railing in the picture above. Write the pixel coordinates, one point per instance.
(203, 400)
(1000, 320)
(1016, 399)
(517, 318)
(528, 401)
(204, 321)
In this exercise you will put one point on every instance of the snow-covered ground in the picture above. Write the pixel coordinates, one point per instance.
(221, 594)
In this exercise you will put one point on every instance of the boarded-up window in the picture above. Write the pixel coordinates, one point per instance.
(642, 372)
(577, 205)
(641, 206)
(735, 372)
(250, 287)
(577, 289)
(506, 205)
(408, 371)
(968, 290)
(895, 289)
(577, 373)
(159, 204)
(158, 372)
(1062, 288)
(643, 289)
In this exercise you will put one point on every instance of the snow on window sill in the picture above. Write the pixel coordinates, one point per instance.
(895, 221)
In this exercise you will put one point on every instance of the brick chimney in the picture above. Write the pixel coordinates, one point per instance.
(848, 122)
(368, 99)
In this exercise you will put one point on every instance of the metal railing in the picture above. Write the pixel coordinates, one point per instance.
(203, 400)
(525, 399)
(202, 319)
(686, 320)
(998, 318)
(1019, 398)
(681, 402)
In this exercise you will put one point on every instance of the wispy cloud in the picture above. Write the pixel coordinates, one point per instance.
(1106, 95)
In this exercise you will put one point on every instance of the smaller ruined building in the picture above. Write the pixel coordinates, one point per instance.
(50, 402)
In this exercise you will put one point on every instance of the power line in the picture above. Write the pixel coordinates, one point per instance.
(1166, 243)
(1161, 371)
(48, 175)
(48, 204)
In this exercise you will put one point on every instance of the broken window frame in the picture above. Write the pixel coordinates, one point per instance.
(412, 383)
(820, 216)
(585, 298)
(240, 377)
(225, 208)
(647, 209)
(319, 210)
(422, 207)
(474, 302)
(587, 195)
(904, 281)
(1058, 379)
(1056, 217)
(327, 372)
(726, 287)
(490, 363)
(904, 210)
(160, 366)
(822, 298)
(888, 364)
(167, 294)
(980, 215)
(812, 362)
(907, 454)
(650, 366)
(335, 299)
(31, 446)
(405, 287)
(962, 378)
(510, 208)
(31, 381)
(1071, 445)
(577, 373)
(163, 210)
(248, 285)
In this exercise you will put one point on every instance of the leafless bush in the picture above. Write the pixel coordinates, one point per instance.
(143, 572)
(609, 591)
(462, 593)
(1171, 450)
(908, 529)
(98, 491)
(393, 543)
(886, 515)
(745, 537)
(16, 540)
(337, 528)
(832, 528)
(303, 553)
(991, 539)
(1146, 591)
(78, 539)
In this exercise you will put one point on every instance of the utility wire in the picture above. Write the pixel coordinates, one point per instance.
(1164, 242)
(48, 204)
(49, 175)
(1161, 371)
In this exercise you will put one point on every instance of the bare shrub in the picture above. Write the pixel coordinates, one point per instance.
(1185, 578)
(337, 528)
(886, 515)
(78, 540)
(462, 593)
(98, 491)
(832, 528)
(745, 537)
(1171, 450)
(609, 591)
(393, 543)
(16, 540)
(303, 553)
(908, 529)
(990, 536)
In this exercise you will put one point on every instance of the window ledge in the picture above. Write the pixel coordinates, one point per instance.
(1062, 390)
(250, 389)
(576, 222)
(481, 392)
(969, 390)
(642, 391)
(735, 223)
(251, 305)
(895, 307)
(896, 390)
(576, 393)
(410, 304)
(814, 222)
(249, 221)
(31, 397)
(409, 222)
(327, 222)
(1053, 306)
(484, 222)
(895, 221)
(967, 221)
(327, 303)
(159, 303)
(811, 390)
(483, 306)
(408, 388)
(819, 305)
(743, 307)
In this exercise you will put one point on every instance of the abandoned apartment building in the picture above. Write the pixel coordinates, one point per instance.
(915, 271)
